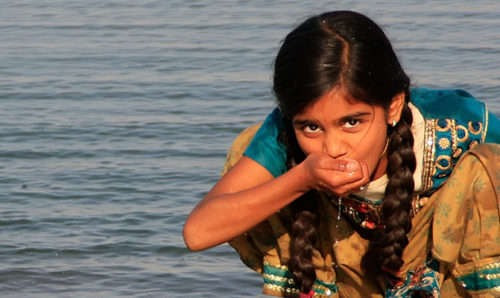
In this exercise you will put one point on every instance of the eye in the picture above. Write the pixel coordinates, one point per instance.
(311, 128)
(351, 123)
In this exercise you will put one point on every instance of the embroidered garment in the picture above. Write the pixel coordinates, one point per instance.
(454, 122)
(454, 244)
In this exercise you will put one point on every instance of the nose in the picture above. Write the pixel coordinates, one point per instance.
(334, 146)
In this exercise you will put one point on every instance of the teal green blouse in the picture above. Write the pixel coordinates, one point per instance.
(455, 122)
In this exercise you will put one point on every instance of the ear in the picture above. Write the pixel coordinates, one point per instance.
(395, 108)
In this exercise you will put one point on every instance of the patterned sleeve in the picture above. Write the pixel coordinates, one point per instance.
(466, 225)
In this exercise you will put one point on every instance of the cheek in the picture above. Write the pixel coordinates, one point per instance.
(307, 145)
(372, 147)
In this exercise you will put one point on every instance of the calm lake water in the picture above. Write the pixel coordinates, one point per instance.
(116, 115)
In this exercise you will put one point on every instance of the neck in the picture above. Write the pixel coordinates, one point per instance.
(381, 166)
(380, 169)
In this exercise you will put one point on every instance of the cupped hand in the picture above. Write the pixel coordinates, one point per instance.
(340, 176)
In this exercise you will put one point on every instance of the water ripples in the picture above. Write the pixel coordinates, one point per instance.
(116, 117)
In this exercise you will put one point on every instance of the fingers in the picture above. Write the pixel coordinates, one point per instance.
(334, 175)
(345, 165)
(356, 185)
(347, 181)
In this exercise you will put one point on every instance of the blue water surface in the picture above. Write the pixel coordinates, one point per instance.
(116, 116)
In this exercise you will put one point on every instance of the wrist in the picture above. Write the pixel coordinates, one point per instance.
(301, 178)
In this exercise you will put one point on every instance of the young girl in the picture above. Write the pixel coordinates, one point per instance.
(358, 185)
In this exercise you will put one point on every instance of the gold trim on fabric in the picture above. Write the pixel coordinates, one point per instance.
(278, 278)
(290, 281)
(445, 157)
(327, 291)
(429, 153)
(417, 203)
(454, 140)
(444, 143)
(474, 131)
(473, 144)
(466, 132)
(489, 276)
(457, 153)
(443, 129)
(281, 289)
(485, 123)
(488, 266)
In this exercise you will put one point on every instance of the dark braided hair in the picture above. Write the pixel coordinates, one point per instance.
(304, 234)
(348, 50)
(386, 246)
(304, 228)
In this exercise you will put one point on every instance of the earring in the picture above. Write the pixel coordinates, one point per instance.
(394, 123)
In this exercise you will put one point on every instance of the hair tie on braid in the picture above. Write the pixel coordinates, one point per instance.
(308, 295)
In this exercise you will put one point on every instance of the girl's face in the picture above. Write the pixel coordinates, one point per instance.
(345, 129)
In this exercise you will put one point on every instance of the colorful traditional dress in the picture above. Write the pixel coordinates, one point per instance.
(454, 243)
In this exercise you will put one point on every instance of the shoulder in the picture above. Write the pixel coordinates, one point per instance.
(460, 106)
(455, 122)
(449, 104)
(239, 145)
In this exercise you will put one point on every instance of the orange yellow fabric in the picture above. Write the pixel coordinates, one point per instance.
(459, 226)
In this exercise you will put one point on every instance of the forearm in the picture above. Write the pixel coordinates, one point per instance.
(248, 194)
(222, 216)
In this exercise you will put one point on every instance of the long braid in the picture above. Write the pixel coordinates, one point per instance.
(384, 255)
(304, 235)
(304, 228)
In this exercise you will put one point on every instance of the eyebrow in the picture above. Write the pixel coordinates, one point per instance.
(355, 115)
(300, 122)
(343, 118)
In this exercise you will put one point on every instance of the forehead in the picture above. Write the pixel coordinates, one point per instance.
(333, 105)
